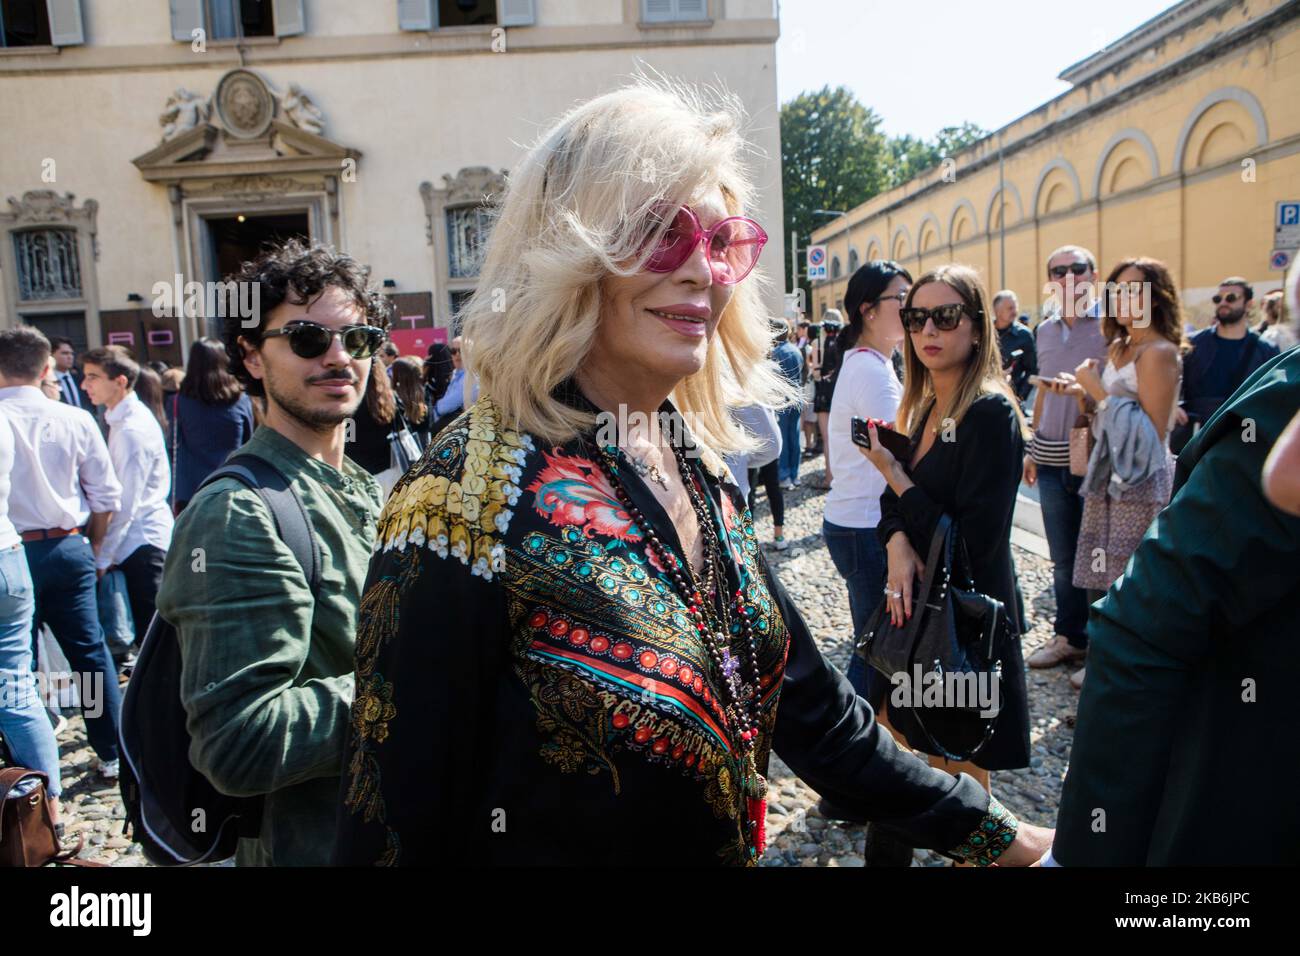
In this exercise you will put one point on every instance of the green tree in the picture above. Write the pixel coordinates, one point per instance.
(833, 156)
(911, 156)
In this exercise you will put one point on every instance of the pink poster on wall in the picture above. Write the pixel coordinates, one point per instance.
(415, 341)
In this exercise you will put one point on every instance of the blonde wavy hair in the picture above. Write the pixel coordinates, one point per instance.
(983, 374)
(587, 203)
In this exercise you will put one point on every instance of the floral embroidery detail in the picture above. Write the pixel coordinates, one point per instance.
(573, 719)
(373, 709)
(991, 838)
(457, 500)
(573, 491)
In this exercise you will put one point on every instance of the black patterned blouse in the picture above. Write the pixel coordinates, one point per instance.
(529, 689)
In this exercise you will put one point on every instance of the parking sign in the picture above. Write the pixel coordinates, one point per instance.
(816, 262)
(1286, 225)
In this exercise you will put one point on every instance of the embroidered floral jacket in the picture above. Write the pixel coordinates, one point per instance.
(529, 689)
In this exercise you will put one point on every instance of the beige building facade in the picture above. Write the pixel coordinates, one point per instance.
(1177, 141)
(146, 140)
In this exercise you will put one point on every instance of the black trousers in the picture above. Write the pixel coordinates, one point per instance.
(143, 570)
(770, 476)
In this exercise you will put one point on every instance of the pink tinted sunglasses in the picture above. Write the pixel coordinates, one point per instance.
(733, 245)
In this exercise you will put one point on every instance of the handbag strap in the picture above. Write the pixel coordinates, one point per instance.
(941, 545)
(941, 529)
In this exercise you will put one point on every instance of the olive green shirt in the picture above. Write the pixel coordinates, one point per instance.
(267, 672)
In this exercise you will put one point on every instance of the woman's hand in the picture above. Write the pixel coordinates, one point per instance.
(1028, 847)
(1030, 471)
(1088, 375)
(878, 454)
(903, 567)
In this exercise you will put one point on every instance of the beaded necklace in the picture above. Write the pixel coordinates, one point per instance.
(712, 615)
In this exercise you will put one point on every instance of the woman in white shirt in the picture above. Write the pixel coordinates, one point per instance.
(866, 387)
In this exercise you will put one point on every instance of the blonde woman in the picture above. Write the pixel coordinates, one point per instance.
(967, 445)
(571, 649)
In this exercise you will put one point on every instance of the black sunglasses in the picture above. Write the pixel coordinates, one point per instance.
(945, 317)
(1078, 268)
(1230, 298)
(312, 340)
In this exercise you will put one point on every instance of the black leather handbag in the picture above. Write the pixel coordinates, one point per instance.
(955, 634)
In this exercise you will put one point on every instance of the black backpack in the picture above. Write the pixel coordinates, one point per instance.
(172, 811)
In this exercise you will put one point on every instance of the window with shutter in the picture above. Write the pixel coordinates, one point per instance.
(467, 13)
(289, 19)
(518, 13)
(231, 19)
(187, 16)
(65, 22)
(672, 11)
(24, 23)
(415, 14)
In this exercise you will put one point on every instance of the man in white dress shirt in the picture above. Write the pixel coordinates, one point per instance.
(140, 531)
(63, 491)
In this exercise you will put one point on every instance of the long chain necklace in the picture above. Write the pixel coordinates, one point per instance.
(710, 613)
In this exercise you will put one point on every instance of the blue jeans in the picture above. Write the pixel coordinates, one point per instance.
(63, 571)
(859, 557)
(23, 722)
(1062, 506)
(788, 421)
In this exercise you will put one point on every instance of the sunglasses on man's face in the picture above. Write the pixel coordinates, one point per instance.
(946, 317)
(312, 340)
(1230, 298)
(732, 245)
(1078, 268)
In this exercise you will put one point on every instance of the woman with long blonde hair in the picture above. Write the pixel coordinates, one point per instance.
(571, 644)
(967, 444)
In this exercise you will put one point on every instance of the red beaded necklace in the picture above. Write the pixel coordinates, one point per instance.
(711, 614)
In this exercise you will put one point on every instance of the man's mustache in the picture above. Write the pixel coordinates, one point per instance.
(343, 377)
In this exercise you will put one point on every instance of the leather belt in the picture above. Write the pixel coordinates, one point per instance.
(49, 534)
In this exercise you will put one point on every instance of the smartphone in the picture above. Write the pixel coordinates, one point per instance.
(1038, 380)
(896, 444)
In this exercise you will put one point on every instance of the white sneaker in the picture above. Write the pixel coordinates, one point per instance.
(108, 769)
(780, 544)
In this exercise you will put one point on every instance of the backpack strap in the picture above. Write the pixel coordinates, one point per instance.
(292, 522)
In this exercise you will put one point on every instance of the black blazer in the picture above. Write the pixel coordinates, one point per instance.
(973, 479)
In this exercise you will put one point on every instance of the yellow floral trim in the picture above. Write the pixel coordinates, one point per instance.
(458, 500)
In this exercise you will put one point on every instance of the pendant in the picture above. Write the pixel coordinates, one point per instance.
(729, 664)
(648, 471)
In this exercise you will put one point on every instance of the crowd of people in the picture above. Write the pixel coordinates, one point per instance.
(555, 641)
(100, 455)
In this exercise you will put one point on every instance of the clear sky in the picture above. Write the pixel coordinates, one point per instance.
(926, 64)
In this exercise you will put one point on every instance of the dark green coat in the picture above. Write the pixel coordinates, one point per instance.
(1184, 751)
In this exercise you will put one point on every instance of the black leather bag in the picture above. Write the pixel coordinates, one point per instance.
(955, 632)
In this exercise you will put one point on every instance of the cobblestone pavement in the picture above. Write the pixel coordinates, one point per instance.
(797, 834)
